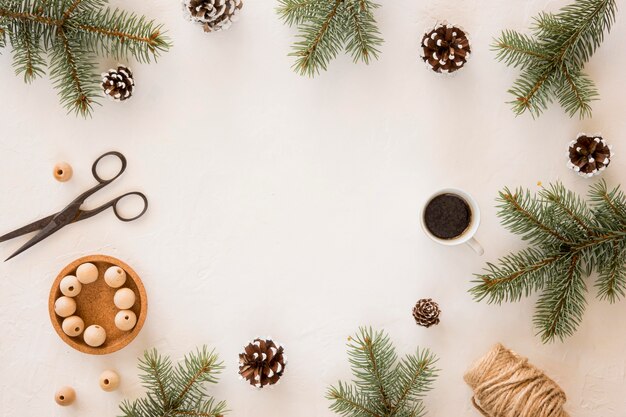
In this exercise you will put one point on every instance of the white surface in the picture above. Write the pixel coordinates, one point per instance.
(288, 207)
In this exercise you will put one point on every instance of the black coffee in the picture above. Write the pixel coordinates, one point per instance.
(447, 216)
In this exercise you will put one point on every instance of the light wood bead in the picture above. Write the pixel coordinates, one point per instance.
(65, 396)
(109, 380)
(115, 277)
(87, 273)
(63, 172)
(124, 298)
(73, 326)
(95, 335)
(65, 306)
(125, 320)
(70, 286)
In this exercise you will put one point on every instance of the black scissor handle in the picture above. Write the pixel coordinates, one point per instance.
(94, 168)
(113, 203)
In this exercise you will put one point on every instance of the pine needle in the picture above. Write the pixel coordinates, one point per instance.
(179, 390)
(326, 27)
(569, 239)
(552, 59)
(383, 386)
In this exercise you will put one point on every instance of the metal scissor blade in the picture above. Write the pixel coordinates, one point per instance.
(29, 228)
(52, 227)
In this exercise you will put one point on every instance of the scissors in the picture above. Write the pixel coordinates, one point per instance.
(73, 213)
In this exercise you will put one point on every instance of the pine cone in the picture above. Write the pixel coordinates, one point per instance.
(214, 15)
(262, 362)
(118, 84)
(589, 155)
(445, 49)
(426, 312)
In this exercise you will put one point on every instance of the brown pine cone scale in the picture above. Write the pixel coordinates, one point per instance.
(262, 362)
(446, 48)
(426, 312)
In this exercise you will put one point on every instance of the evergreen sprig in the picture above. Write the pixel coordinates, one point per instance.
(177, 391)
(383, 386)
(72, 33)
(328, 26)
(553, 58)
(569, 239)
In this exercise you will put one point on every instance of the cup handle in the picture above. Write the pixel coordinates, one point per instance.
(473, 243)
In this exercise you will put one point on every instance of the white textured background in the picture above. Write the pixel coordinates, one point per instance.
(285, 206)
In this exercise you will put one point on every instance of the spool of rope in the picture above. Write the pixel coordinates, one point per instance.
(506, 385)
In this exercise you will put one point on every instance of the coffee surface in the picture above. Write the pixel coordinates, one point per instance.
(447, 216)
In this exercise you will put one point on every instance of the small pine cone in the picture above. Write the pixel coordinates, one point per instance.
(214, 15)
(445, 49)
(589, 155)
(426, 312)
(262, 362)
(118, 84)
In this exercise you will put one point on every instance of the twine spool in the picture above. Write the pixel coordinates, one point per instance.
(506, 385)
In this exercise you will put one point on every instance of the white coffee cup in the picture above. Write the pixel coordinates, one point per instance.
(468, 235)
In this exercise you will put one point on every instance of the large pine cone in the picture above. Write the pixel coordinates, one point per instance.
(118, 83)
(262, 363)
(445, 49)
(426, 312)
(589, 155)
(214, 15)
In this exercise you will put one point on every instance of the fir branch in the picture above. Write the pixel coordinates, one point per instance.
(552, 59)
(72, 32)
(383, 387)
(560, 308)
(328, 26)
(177, 391)
(594, 239)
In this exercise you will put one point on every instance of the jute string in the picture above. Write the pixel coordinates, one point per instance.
(506, 385)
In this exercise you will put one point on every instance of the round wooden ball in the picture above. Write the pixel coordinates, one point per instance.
(70, 286)
(124, 298)
(125, 320)
(65, 396)
(109, 380)
(73, 326)
(115, 277)
(87, 273)
(64, 306)
(95, 335)
(63, 172)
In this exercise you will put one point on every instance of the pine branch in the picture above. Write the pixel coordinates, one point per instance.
(328, 26)
(383, 387)
(72, 32)
(177, 391)
(364, 37)
(552, 59)
(416, 374)
(560, 308)
(569, 239)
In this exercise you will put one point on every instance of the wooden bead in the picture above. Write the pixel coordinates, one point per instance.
(95, 335)
(125, 320)
(65, 306)
(65, 396)
(115, 277)
(63, 172)
(73, 326)
(87, 273)
(70, 286)
(124, 298)
(109, 380)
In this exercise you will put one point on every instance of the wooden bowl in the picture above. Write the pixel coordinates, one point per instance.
(94, 304)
